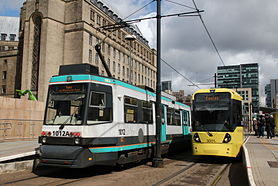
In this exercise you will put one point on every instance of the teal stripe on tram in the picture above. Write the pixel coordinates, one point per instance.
(119, 148)
(84, 77)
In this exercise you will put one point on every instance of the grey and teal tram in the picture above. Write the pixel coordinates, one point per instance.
(95, 120)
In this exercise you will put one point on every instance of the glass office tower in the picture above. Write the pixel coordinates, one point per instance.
(240, 76)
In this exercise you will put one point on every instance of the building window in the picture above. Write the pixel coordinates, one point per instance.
(92, 15)
(114, 66)
(98, 19)
(114, 53)
(123, 71)
(4, 76)
(90, 39)
(119, 68)
(12, 37)
(90, 56)
(3, 37)
(4, 89)
(96, 59)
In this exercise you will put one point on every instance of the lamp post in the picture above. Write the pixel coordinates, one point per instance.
(130, 38)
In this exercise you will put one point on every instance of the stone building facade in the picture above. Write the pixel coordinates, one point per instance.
(60, 32)
(8, 54)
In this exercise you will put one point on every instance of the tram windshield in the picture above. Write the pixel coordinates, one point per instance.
(65, 109)
(65, 105)
(212, 112)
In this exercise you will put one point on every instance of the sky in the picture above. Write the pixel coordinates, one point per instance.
(243, 31)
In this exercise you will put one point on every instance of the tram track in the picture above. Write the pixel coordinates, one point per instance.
(180, 169)
(195, 174)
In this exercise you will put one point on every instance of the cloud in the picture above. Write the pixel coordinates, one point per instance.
(243, 31)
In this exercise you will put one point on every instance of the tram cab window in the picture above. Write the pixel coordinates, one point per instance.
(237, 115)
(65, 109)
(99, 110)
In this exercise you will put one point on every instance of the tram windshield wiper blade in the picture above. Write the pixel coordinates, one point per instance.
(210, 134)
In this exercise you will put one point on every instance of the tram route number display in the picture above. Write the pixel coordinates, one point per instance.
(68, 88)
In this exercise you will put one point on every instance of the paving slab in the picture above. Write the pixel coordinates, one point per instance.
(12, 149)
(263, 156)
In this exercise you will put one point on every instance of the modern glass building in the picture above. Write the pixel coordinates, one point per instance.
(267, 91)
(274, 92)
(240, 76)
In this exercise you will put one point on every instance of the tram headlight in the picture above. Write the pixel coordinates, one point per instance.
(196, 138)
(227, 138)
(77, 141)
(44, 140)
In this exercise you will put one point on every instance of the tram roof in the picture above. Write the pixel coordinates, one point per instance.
(87, 78)
(234, 94)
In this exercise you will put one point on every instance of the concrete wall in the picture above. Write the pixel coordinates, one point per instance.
(20, 118)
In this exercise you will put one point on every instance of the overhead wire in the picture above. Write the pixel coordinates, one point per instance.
(179, 73)
(213, 43)
(163, 16)
(181, 4)
(139, 9)
(110, 32)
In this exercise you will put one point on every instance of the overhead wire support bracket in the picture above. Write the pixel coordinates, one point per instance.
(127, 23)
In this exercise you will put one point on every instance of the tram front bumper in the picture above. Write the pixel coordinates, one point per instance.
(72, 156)
(223, 149)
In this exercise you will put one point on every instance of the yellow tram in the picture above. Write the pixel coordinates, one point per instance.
(216, 127)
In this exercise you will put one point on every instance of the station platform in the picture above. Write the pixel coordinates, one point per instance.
(17, 148)
(261, 157)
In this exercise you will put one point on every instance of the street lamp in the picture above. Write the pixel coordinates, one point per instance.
(130, 38)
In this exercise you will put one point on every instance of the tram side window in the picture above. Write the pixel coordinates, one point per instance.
(131, 110)
(98, 109)
(185, 117)
(173, 117)
(177, 120)
(170, 118)
(147, 112)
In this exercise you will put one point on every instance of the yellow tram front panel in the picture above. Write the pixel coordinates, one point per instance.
(212, 143)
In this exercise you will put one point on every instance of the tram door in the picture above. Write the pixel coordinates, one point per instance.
(163, 122)
(185, 122)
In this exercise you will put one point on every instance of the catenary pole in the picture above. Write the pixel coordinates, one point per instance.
(157, 160)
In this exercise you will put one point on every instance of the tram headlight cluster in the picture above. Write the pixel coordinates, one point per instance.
(196, 138)
(227, 138)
